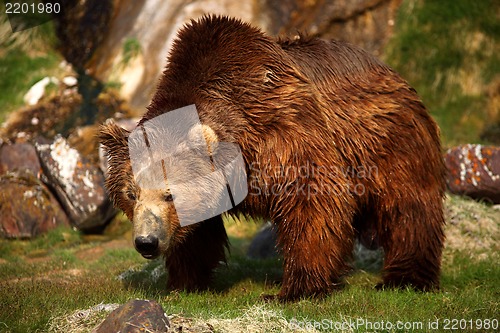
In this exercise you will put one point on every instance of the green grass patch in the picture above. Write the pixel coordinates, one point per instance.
(59, 238)
(18, 72)
(131, 48)
(449, 51)
(25, 58)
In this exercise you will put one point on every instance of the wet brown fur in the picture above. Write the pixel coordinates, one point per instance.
(325, 104)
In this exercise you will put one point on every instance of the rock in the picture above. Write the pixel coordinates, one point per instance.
(30, 122)
(78, 184)
(83, 139)
(37, 91)
(474, 171)
(70, 81)
(366, 23)
(366, 259)
(151, 26)
(19, 156)
(263, 245)
(27, 207)
(52, 114)
(136, 316)
(80, 27)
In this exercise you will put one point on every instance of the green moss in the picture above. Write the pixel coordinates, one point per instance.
(131, 49)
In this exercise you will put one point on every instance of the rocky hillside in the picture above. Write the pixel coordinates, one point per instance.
(140, 33)
(448, 50)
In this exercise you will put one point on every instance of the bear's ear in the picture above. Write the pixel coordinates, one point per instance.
(210, 138)
(114, 139)
(203, 135)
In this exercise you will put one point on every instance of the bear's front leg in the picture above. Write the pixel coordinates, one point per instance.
(197, 251)
(315, 253)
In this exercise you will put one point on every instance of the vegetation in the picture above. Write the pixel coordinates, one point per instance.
(449, 51)
(43, 282)
(25, 58)
(131, 48)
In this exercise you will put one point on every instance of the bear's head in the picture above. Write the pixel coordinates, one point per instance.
(163, 185)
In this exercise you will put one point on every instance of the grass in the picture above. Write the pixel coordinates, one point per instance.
(19, 71)
(449, 51)
(45, 282)
(25, 58)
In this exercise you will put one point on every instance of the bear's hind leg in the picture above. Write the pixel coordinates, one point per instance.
(412, 237)
(191, 261)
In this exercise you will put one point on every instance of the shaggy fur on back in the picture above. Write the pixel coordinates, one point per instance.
(336, 145)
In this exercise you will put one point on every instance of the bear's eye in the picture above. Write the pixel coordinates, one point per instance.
(168, 197)
(131, 196)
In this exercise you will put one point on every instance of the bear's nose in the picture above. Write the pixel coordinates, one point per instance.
(147, 246)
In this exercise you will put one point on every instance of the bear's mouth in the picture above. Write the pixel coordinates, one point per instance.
(150, 255)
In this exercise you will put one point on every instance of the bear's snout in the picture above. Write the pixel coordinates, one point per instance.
(147, 246)
(150, 237)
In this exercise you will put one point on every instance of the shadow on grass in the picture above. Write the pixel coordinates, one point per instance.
(152, 277)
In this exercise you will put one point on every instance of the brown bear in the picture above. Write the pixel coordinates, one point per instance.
(336, 145)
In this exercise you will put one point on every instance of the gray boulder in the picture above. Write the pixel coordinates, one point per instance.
(263, 245)
(79, 185)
